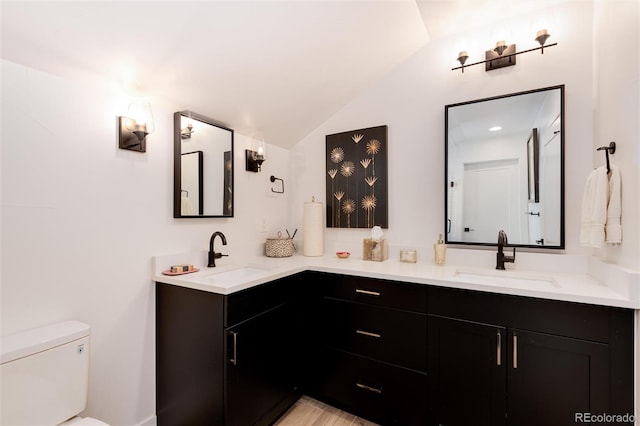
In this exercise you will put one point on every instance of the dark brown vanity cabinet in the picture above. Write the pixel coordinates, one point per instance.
(391, 352)
(506, 360)
(371, 348)
(232, 360)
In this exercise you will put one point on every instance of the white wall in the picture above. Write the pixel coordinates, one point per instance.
(411, 100)
(617, 114)
(82, 218)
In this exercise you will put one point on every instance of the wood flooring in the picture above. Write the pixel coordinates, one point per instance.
(310, 412)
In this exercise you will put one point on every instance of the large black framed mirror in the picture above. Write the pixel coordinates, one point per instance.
(504, 169)
(203, 167)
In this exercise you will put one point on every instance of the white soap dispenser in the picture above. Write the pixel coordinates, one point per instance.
(440, 251)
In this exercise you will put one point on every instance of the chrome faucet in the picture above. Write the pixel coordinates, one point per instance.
(212, 254)
(500, 256)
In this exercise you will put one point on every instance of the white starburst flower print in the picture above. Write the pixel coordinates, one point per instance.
(373, 146)
(348, 206)
(347, 168)
(337, 155)
(369, 202)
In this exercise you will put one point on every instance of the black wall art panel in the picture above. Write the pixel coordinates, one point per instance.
(356, 175)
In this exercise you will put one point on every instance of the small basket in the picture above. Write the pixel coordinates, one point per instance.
(279, 247)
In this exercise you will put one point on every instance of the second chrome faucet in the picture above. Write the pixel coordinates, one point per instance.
(212, 253)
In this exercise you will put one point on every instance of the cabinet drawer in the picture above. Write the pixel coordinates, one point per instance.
(248, 303)
(376, 391)
(410, 297)
(569, 319)
(397, 337)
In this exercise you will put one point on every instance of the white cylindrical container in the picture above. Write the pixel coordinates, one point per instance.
(313, 229)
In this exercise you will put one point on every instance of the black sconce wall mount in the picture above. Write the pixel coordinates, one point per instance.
(253, 160)
(255, 156)
(134, 128)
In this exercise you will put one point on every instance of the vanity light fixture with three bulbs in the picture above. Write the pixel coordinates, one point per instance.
(503, 55)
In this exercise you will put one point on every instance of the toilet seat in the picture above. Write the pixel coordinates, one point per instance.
(83, 421)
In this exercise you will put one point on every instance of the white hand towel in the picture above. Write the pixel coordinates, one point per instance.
(594, 208)
(613, 226)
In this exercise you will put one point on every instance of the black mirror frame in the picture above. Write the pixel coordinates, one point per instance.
(447, 224)
(177, 164)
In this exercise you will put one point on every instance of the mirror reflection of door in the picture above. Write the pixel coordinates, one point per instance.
(192, 184)
(491, 200)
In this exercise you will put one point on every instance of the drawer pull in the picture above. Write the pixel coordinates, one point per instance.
(369, 388)
(367, 292)
(369, 333)
(234, 360)
(499, 349)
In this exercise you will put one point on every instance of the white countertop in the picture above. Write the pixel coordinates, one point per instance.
(232, 275)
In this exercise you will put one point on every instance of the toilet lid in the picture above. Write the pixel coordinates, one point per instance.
(83, 421)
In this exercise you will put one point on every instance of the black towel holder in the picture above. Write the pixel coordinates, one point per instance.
(611, 149)
(273, 179)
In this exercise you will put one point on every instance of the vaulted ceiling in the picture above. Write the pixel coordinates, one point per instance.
(268, 69)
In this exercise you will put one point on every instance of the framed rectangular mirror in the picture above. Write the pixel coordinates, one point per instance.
(203, 167)
(504, 169)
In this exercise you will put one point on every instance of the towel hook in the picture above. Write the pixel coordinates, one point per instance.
(273, 179)
(611, 149)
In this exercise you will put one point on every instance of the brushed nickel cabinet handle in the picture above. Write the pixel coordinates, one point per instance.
(369, 388)
(499, 349)
(368, 333)
(367, 292)
(234, 360)
(515, 351)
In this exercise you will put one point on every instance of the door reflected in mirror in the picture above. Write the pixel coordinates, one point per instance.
(504, 169)
(203, 167)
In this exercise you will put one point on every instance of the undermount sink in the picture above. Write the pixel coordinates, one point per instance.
(236, 274)
(495, 277)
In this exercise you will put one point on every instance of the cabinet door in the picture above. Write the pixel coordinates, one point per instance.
(189, 357)
(467, 375)
(552, 378)
(261, 366)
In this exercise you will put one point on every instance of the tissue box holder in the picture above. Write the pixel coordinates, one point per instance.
(374, 250)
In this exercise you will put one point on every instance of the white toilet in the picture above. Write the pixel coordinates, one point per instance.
(45, 375)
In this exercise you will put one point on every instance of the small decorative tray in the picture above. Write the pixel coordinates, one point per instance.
(168, 272)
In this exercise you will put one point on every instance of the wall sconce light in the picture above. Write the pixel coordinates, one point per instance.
(186, 132)
(134, 128)
(503, 55)
(255, 158)
(541, 38)
(462, 58)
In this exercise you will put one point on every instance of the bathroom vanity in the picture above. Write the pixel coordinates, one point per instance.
(227, 359)
(396, 344)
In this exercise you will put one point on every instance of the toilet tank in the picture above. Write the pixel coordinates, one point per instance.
(44, 374)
